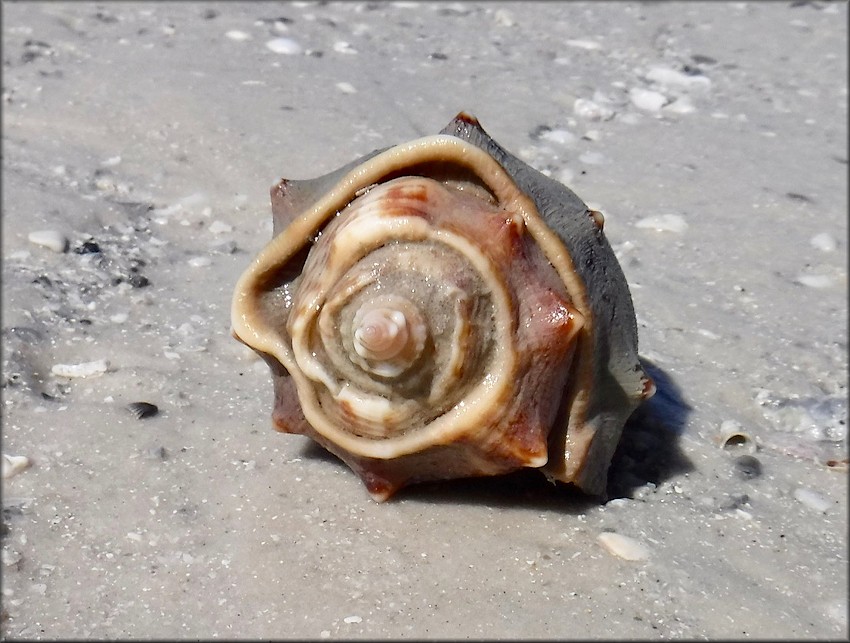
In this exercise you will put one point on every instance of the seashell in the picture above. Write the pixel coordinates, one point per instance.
(440, 309)
(622, 546)
(142, 410)
(735, 439)
(85, 369)
(14, 464)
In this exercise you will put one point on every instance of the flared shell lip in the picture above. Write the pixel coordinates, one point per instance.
(248, 327)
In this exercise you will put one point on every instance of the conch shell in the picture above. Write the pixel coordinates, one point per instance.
(439, 309)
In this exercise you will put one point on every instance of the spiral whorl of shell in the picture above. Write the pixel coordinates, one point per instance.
(405, 323)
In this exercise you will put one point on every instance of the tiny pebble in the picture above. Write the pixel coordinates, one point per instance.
(592, 111)
(11, 557)
(622, 546)
(559, 136)
(85, 369)
(814, 281)
(812, 499)
(52, 239)
(352, 619)
(646, 99)
(675, 79)
(285, 46)
(583, 44)
(200, 262)
(342, 47)
(664, 223)
(14, 464)
(237, 35)
(346, 88)
(682, 105)
(824, 242)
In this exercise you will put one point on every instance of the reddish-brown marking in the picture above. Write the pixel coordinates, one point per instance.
(648, 387)
(287, 415)
(347, 412)
(467, 118)
(597, 217)
(407, 191)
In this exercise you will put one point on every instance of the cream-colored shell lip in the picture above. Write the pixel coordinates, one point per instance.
(249, 327)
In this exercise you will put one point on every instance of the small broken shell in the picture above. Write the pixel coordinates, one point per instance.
(439, 309)
(142, 410)
(734, 438)
(14, 464)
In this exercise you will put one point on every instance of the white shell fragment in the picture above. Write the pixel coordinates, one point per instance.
(14, 464)
(814, 281)
(200, 262)
(342, 47)
(672, 78)
(682, 105)
(824, 242)
(664, 223)
(51, 239)
(812, 499)
(591, 110)
(646, 99)
(85, 369)
(286, 46)
(11, 558)
(583, 44)
(624, 547)
(235, 34)
(559, 136)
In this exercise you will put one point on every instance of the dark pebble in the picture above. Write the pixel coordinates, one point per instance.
(87, 247)
(138, 281)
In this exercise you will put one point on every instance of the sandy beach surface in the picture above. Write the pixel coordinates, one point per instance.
(140, 141)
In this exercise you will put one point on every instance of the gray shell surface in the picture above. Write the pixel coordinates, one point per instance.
(611, 358)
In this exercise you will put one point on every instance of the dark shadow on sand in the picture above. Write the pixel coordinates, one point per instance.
(648, 452)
